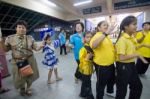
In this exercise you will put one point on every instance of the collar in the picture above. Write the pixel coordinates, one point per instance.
(20, 37)
(87, 44)
(79, 35)
(127, 35)
(99, 32)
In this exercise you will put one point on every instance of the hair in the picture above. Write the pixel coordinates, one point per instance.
(62, 29)
(125, 22)
(145, 23)
(99, 24)
(82, 25)
(46, 38)
(21, 22)
(86, 33)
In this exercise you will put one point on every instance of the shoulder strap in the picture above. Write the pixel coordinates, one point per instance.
(88, 48)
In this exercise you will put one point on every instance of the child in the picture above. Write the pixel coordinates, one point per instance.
(125, 65)
(50, 59)
(104, 58)
(86, 68)
(143, 37)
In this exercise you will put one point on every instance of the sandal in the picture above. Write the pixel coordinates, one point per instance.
(22, 91)
(28, 92)
(58, 78)
(4, 90)
(50, 82)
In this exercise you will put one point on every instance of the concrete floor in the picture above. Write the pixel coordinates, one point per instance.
(65, 89)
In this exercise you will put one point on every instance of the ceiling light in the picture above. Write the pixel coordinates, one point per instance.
(50, 3)
(81, 3)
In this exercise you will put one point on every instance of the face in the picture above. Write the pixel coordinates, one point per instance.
(88, 38)
(131, 28)
(103, 27)
(48, 41)
(78, 28)
(21, 30)
(146, 27)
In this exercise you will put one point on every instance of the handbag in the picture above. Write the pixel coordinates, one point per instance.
(24, 66)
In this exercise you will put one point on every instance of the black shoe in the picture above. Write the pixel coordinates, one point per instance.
(82, 95)
(90, 97)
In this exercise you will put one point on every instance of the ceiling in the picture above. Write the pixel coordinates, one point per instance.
(107, 7)
(9, 13)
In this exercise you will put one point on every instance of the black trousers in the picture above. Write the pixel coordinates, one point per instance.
(127, 74)
(105, 76)
(77, 74)
(63, 47)
(142, 67)
(86, 90)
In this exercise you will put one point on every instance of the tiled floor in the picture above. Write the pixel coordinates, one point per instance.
(65, 89)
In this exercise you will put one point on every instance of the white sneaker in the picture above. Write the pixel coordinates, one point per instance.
(111, 94)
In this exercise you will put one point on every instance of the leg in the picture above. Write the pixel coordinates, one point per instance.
(145, 66)
(88, 88)
(61, 50)
(49, 76)
(78, 75)
(122, 80)
(141, 67)
(102, 77)
(2, 90)
(22, 90)
(135, 85)
(111, 80)
(28, 90)
(56, 74)
(65, 49)
(83, 87)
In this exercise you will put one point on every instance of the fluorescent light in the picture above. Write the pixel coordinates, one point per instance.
(50, 3)
(81, 3)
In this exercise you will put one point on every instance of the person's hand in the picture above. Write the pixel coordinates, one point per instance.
(111, 29)
(143, 60)
(90, 55)
(0, 34)
(143, 33)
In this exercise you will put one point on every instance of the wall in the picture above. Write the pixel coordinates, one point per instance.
(147, 15)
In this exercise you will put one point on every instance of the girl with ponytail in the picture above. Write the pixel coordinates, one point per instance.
(125, 63)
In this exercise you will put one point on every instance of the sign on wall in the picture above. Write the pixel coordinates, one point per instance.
(92, 10)
(131, 4)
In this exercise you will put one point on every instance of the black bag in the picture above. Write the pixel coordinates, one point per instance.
(22, 63)
(24, 68)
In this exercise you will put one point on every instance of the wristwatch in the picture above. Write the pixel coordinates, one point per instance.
(105, 34)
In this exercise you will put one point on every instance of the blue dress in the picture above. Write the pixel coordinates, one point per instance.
(50, 59)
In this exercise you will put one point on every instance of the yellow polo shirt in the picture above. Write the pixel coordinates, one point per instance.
(104, 54)
(85, 66)
(144, 51)
(126, 46)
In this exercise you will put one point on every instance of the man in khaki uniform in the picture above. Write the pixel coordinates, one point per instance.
(21, 46)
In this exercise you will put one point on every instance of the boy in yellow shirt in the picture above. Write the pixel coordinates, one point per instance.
(86, 68)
